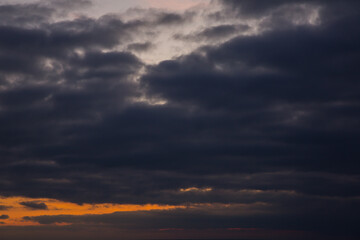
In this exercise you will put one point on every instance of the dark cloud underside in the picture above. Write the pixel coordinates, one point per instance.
(3, 217)
(35, 205)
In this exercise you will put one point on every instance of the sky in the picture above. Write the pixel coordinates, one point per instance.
(191, 119)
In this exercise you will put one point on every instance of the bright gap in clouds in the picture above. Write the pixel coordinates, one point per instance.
(164, 44)
(169, 40)
(101, 7)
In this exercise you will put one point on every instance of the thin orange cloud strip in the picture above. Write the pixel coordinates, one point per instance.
(16, 211)
(195, 189)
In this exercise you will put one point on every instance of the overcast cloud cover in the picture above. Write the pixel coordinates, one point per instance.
(247, 112)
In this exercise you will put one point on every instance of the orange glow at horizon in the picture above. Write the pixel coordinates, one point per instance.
(16, 211)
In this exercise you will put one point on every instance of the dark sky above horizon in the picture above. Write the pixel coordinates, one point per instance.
(192, 119)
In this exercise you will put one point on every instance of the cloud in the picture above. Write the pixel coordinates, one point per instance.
(24, 14)
(221, 30)
(140, 47)
(3, 217)
(266, 81)
(35, 205)
(170, 18)
(34, 14)
(266, 119)
(3, 207)
(256, 9)
(224, 102)
(68, 4)
(247, 216)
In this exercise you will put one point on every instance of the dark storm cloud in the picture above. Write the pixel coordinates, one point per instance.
(35, 205)
(273, 66)
(249, 7)
(242, 104)
(280, 14)
(258, 7)
(275, 88)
